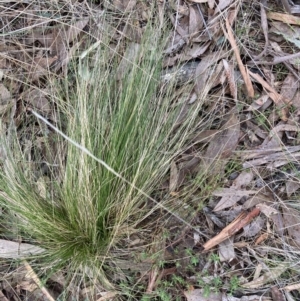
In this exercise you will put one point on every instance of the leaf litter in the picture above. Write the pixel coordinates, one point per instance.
(249, 85)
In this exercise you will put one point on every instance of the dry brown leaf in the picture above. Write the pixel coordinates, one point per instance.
(261, 102)
(276, 151)
(120, 5)
(198, 295)
(230, 78)
(37, 99)
(260, 132)
(286, 18)
(289, 87)
(261, 239)
(194, 51)
(288, 32)
(291, 186)
(266, 278)
(226, 250)
(243, 69)
(62, 38)
(248, 298)
(6, 102)
(277, 295)
(199, 1)
(279, 100)
(128, 59)
(36, 69)
(182, 28)
(254, 227)
(267, 210)
(281, 127)
(296, 100)
(232, 192)
(45, 39)
(291, 219)
(235, 191)
(223, 4)
(292, 287)
(178, 6)
(2, 296)
(258, 198)
(32, 275)
(264, 26)
(173, 177)
(205, 73)
(204, 136)
(195, 21)
(211, 4)
(222, 145)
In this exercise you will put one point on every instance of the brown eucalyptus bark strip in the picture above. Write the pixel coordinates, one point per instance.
(241, 221)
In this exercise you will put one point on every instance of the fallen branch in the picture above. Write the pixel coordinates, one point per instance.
(235, 226)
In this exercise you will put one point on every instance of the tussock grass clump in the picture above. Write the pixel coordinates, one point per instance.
(80, 212)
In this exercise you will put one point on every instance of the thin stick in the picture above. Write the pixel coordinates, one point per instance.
(242, 68)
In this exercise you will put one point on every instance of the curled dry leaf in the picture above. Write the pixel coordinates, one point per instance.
(235, 191)
(269, 276)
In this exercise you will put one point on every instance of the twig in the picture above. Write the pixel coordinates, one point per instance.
(241, 221)
(242, 68)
